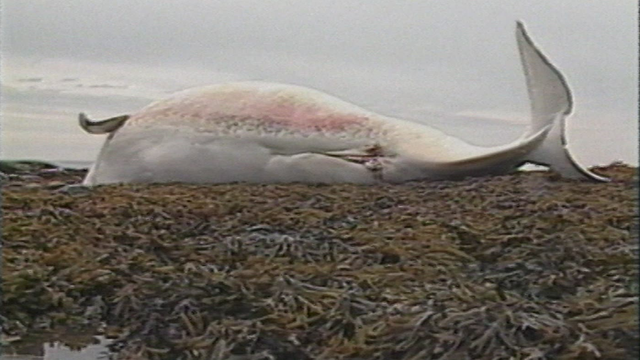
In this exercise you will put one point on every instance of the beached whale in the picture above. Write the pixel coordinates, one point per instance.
(273, 133)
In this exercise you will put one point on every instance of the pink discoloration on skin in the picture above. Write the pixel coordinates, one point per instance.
(230, 108)
(305, 117)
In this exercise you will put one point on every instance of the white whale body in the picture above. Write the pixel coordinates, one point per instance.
(273, 133)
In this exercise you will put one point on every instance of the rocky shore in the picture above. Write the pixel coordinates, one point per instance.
(525, 266)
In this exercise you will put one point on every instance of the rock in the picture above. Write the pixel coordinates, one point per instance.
(75, 190)
(55, 185)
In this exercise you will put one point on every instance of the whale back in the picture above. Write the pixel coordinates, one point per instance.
(258, 107)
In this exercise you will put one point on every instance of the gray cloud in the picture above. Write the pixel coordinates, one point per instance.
(591, 40)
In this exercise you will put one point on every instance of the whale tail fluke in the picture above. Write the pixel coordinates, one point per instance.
(101, 127)
(551, 103)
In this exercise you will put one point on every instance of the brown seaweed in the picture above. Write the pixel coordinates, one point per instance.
(525, 266)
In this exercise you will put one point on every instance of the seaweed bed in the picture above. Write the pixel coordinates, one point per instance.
(524, 266)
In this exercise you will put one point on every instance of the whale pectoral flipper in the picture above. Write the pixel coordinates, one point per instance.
(358, 155)
(321, 168)
(101, 127)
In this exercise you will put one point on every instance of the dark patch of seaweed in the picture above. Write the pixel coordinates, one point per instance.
(525, 266)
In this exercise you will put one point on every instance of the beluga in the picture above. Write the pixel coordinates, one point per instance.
(261, 132)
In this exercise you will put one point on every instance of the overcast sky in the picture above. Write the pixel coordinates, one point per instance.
(453, 64)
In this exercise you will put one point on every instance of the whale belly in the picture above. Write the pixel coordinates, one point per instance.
(134, 156)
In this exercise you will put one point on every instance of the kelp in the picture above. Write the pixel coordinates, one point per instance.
(524, 266)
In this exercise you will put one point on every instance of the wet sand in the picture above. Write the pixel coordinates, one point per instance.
(524, 266)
